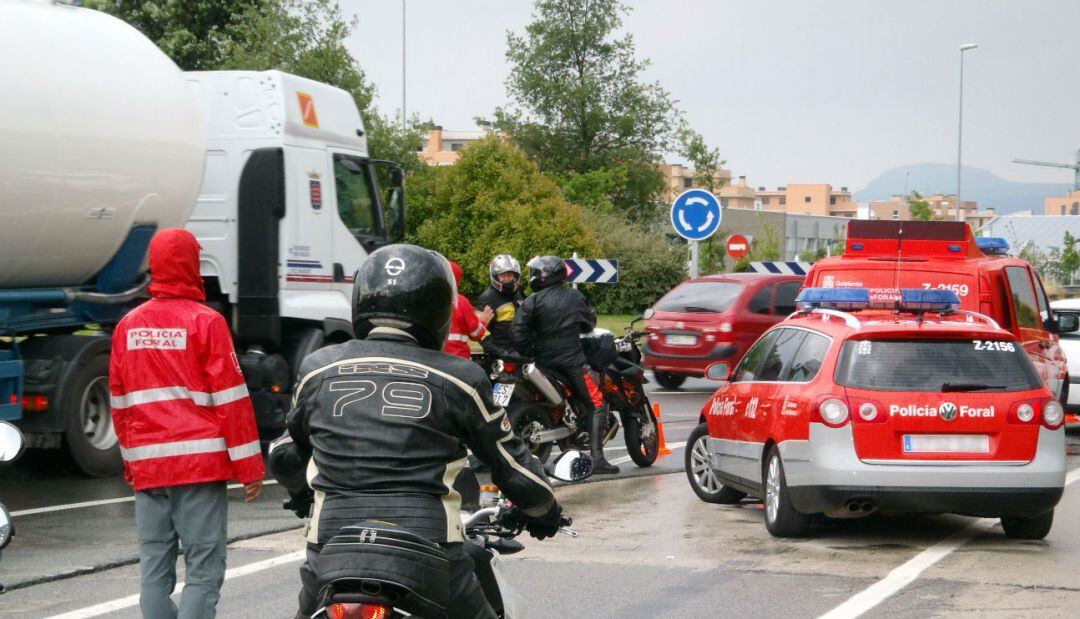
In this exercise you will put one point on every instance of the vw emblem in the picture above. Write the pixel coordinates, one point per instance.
(394, 267)
(947, 411)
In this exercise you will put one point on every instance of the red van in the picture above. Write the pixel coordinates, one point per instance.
(713, 318)
(847, 410)
(885, 256)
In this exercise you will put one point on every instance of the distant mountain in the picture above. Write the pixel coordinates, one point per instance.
(983, 186)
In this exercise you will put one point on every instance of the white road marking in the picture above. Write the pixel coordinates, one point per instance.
(132, 600)
(123, 499)
(908, 572)
(622, 459)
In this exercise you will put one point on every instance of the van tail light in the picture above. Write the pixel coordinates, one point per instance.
(1053, 414)
(357, 611)
(867, 411)
(832, 411)
(34, 402)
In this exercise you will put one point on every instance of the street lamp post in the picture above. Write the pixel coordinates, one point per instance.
(960, 128)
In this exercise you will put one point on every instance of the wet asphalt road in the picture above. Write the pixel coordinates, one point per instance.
(647, 547)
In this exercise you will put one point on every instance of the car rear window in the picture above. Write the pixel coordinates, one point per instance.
(936, 365)
(709, 297)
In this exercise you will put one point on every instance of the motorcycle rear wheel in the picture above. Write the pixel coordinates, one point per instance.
(642, 439)
(529, 420)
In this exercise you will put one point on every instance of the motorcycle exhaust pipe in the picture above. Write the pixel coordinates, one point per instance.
(542, 384)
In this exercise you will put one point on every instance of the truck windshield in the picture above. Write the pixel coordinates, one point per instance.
(936, 366)
(707, 297)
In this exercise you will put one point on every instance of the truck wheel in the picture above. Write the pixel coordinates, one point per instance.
(668, 380)
(699, 470)
(90, 437)
(1028, 527)
(781, 517)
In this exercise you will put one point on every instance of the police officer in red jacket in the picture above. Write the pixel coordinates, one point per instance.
(186, 426)
(466, 324)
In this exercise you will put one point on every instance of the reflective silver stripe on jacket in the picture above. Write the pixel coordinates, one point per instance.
(179, 448)
(244, 451)
(457, 337)
(164, 394)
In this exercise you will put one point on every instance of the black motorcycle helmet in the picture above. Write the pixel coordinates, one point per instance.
(405, 287)
(546, 271)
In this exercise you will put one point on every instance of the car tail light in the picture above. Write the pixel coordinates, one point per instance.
(1023, 412)
(832, 411)
(725, 327)
(34, 402)
(1053, 414)
(357, 611)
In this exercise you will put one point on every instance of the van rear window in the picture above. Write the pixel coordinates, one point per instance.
(708, 297)
(936, 366)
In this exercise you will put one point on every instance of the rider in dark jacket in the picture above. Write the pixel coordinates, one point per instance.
(548, 328)
(504, 298)
(386, 422)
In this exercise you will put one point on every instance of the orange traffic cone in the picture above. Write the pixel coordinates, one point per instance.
(663, 451)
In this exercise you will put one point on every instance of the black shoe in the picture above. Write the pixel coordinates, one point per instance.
(601, 466)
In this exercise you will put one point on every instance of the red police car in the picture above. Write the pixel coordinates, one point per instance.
(713, 318)
(845, 409)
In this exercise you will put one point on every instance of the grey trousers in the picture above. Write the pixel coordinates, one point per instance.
(195, 516)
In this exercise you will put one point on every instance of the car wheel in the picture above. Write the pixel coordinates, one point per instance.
(781, 517)
(1028, 527)
(668, 380)
(90, 436)
(700, 472)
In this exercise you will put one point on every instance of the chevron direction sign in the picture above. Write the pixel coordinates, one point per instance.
(780, 268)
(596, 271)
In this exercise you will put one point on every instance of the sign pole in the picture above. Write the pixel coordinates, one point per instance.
(694, 260)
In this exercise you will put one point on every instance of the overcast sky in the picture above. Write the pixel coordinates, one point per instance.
(791, 91)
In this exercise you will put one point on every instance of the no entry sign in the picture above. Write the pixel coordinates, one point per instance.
(738, 247)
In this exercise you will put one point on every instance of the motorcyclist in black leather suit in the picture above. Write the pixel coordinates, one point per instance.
(548, 328)
(386, 421)
(504, 298)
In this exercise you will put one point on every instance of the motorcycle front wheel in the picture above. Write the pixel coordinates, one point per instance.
(527, 422)
(642, 438)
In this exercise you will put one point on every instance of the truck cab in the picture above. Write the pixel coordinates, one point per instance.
(887, 256)
(290, 206)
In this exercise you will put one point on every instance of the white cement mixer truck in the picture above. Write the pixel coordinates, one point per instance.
(103, 141)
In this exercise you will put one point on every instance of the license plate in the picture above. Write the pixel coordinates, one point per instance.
(502, 392)
(681, 340)
(946, 443)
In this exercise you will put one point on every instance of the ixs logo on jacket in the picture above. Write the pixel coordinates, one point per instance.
(947, 411)
(159, 339)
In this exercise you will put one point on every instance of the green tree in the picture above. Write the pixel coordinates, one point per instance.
(764, 248)
(194, 33)
(920, 208)
(706, 161)
(649, 265)
(1069, 261)
(494, 200)
(579, 102)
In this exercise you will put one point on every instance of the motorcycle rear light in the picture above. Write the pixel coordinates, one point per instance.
(510, 367)
(1053, 414)
(357, 611)
(832, 411)
(33, 402)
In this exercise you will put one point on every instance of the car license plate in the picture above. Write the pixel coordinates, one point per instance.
(681, 340)
(946, 443)
(502, 393)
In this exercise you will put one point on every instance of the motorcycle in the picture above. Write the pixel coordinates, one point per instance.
(377, 571)
(542, 414)
(11, 447)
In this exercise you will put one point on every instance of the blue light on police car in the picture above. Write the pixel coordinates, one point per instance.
(843, 299)
(919, 300)
(992, 245)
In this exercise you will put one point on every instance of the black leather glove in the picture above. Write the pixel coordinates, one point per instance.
(547, 525)
(299, 504)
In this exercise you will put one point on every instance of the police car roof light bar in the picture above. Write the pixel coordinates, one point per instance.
(992, 245)
(841, 299)
(917, 300)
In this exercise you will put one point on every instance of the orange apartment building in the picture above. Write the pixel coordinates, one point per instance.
(678, 178)
(1067, 205)
(443, 146)
(810, 199)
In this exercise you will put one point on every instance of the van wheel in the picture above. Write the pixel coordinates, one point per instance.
(1028, 527)
(781, 517)
(668, 380)
(90, 436)
(699, 471)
